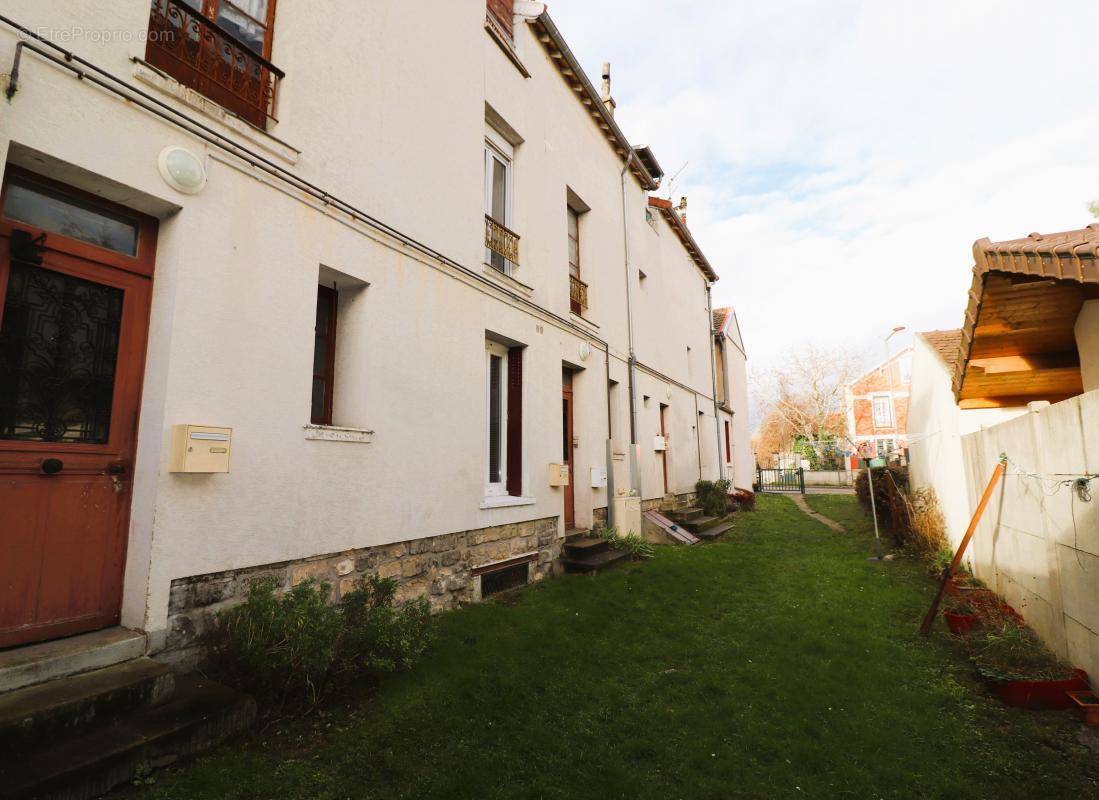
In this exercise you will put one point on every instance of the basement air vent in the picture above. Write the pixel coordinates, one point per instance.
(504, 578)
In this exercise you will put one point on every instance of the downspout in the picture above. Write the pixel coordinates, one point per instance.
(635, 467)
(713, 378)
(612, 522)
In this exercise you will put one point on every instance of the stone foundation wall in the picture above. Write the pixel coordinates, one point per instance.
(669, 502)
(599, 517)
(438, 567)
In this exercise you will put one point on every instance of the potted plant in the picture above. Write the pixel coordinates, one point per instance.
(960, 614)
(1023, 671)
(1087, 705)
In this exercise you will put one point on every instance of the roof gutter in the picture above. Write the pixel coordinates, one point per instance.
(572, 71)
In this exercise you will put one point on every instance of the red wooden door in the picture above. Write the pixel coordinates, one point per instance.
(73, 327)
(566, 447)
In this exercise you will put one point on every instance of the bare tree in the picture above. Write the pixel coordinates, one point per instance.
(805, 396)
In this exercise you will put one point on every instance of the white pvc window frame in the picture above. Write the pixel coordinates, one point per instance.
(498, 150)
(498, 487)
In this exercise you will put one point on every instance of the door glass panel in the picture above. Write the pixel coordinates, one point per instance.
(566, 451)
(498, 206)
(67, 216)
(495, 418)
(58, 352)
(244, 20)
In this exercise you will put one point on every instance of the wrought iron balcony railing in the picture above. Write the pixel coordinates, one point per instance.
(501, 241)
(199, 54)
(578, 294)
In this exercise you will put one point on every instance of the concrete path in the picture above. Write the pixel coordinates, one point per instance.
(799, 501)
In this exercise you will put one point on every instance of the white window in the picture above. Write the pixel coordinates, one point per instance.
(884, 447)
(497, 409)
(883, 412)
(498, 177)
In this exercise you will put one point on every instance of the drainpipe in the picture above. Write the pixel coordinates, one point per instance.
(612, 522)
(713, 378)
(635, 467)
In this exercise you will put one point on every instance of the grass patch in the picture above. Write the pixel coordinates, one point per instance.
(774, 663)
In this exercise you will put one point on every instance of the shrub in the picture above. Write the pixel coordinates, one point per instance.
(890, 489)
(290, 648)
(280, 647)
(926, 538)
(712, 496)
(379, 636)
(630, 543)
(745, 500)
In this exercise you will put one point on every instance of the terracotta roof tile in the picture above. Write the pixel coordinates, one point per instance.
(721, 316)
(1065, 256)
(946, 344)
(684, 234)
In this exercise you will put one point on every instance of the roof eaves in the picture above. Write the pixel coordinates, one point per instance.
(1057, 256)
(570, 69)
(684, 234)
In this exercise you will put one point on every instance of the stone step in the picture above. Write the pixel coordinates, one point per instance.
(200, 714)
(715, 531)
(586, 544)
(685, 515)
(699, 525)
(593, 562)
(38, 663)
(65, 706)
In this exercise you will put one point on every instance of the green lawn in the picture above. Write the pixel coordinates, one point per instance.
(775, 663)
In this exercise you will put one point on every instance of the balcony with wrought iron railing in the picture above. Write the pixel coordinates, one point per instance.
(578, 295)
(502, 241)
(200, 55)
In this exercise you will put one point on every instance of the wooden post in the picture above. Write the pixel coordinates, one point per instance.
(948, 573)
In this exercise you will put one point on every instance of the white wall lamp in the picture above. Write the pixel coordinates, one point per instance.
(181, 169)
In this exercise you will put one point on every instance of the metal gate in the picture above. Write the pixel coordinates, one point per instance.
(780, 480)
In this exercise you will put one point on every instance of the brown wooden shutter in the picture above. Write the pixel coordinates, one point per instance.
(515, 421)
(503, 13)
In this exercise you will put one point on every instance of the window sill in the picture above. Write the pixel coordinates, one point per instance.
(507, 281)
(582, 320)
(507, 501)
(151, 76)
(505, 43)
(333, 433)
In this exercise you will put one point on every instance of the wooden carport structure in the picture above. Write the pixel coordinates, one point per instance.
(1018, 343)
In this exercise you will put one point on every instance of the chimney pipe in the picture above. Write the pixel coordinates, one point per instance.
(608, 101)
(682, 209)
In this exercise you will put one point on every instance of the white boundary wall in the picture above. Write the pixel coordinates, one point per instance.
(1038, 544)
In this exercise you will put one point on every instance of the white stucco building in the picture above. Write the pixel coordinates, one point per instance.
(398, 275)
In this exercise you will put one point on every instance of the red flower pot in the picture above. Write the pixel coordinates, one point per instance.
(1087, 704)
(1039, 695)
(960, 624)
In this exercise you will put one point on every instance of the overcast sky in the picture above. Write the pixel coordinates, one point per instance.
(842, 157)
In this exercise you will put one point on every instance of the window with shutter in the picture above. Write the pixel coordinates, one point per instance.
(497, 408)
(504, 406)
(500, 12)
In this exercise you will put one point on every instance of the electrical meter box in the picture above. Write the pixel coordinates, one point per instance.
(558, 475)
(200, 448)
(598, 478)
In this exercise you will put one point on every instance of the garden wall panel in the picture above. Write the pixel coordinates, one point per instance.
(1038, 543)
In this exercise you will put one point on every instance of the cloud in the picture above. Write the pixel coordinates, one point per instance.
(844, 156)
